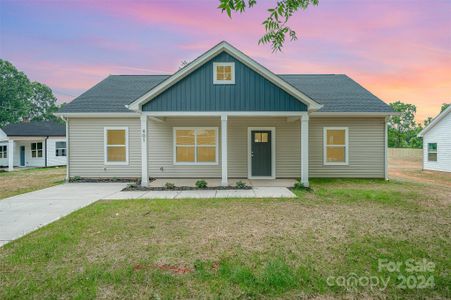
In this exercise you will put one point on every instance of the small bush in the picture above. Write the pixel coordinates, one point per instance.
(298, 184)
(169, 185)
(76, 178)
(240, 185)
(201, 184)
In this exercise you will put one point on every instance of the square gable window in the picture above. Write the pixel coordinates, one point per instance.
(224, 73)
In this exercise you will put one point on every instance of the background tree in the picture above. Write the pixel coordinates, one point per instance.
(444, 106)
(401, 128)
(15, 91)
(276, 24)
(21, 99)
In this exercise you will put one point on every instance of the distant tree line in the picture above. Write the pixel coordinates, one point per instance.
(403, 129)
(22, 99)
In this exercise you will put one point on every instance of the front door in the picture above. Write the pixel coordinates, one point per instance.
(22, 156)
(261, 153)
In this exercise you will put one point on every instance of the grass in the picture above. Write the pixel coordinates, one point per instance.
(238, 248)
(28, 180)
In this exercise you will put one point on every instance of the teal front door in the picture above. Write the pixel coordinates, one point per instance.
(22, 156)
(261, 153)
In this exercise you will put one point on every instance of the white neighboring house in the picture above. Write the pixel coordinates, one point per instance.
(437, 143)
(33, 144)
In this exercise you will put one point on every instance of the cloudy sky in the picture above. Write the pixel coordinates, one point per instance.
(399, 50)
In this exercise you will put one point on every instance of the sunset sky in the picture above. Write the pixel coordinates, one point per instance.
(399, 50)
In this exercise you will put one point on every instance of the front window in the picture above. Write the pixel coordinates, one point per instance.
(36, 150)
(432, 152)
(195, 145)
(224, 73)
(3, 151)
(116, 145)
(335, 146)
(60, 148)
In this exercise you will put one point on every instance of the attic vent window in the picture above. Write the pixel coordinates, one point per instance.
(224, 73)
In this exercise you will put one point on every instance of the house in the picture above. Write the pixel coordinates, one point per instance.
(226, 116)
(437, 143)
(33, 144)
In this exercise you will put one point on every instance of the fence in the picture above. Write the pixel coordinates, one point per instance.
(405, 154)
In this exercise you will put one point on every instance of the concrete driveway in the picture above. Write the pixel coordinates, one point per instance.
(24, 213)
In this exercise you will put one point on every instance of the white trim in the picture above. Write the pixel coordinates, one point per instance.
(67, 150)
(273, 152)
(99, 115)
(223, 64)
(195, 163)
(429, 152)
(226, 47)
(346, 145)
(386, 149)
(144, 152)
(229, 113)
(352, 114)
(435, 121)
(10, 155)
(224, 153)
(105, 141)
(305, 150)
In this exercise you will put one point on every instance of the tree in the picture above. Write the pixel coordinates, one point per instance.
(15, 91)
(21, 99)
(402, 127)
(276, 24)
(42, 103)
(444, 106)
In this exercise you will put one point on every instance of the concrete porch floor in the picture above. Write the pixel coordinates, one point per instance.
(217, 182)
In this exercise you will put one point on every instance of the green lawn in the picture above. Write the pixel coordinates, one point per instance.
(28, 180)
(240, 248)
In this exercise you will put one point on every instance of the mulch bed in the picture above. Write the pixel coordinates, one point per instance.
(137, 187)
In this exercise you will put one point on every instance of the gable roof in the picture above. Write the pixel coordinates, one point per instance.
(435, 121)
(237, 54)
(41, 128)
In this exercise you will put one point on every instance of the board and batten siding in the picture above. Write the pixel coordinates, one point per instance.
(86, 147)
(440, 134)
(161, 148)
(366, 148)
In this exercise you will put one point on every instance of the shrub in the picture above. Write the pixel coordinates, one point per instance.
(169, 185)
(76, 178)
(201, 184)
(240, 185)
(298, 184)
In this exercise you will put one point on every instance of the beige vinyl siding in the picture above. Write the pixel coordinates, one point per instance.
(366, 148)
(86, 142)
(161, 147)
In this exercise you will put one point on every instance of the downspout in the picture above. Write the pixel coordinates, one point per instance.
(46, 138)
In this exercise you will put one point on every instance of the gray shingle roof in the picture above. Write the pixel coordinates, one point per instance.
(337, 92)
(42, 128)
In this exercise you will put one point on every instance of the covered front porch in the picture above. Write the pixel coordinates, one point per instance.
(269, 148)
(23, 152)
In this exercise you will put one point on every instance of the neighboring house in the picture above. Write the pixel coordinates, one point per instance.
(437, 143)
(33, 144)
(226, 116)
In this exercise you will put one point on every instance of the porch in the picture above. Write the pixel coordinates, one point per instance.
(23, 152)
(259, 148)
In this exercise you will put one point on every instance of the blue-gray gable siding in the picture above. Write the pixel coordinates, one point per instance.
(251, 92)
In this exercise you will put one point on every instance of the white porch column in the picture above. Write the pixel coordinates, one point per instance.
(304, 149)
(10, 155)
(224, 180)
(144, 143)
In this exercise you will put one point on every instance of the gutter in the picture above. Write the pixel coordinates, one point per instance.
(46, 149)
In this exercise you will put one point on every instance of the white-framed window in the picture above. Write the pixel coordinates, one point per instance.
(195, 145)
(116, 145)
(3, 151)
(336, 145)
(60, 148)
(36, 150)
(224, 73)
(432, 151)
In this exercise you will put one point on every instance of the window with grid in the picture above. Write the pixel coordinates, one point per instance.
(116, 145)
(224, 73)
(195, 145)
(60, 148)
(36, 150)
(432, 152)
(3, 151)
(335, 145)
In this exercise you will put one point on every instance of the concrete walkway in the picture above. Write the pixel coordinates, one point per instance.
(256, 192)
(24, 213)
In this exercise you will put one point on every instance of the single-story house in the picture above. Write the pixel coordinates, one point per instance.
(226, 116)
(33, 144)
(437, 143)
